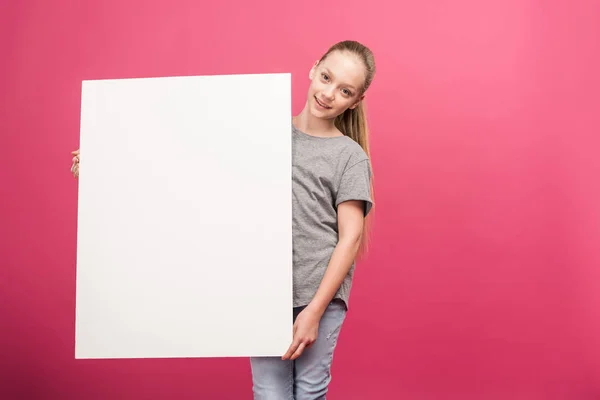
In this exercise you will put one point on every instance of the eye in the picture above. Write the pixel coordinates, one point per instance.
(347, 92)
(325, 76)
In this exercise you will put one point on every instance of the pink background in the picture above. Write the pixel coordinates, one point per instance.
(483, 281)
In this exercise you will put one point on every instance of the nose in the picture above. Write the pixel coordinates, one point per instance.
(328, 93)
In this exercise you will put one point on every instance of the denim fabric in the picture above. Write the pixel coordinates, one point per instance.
(307, 377)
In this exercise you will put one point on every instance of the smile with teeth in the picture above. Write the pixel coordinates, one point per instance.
(321, 104)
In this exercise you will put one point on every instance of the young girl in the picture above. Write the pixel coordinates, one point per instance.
(332, 196)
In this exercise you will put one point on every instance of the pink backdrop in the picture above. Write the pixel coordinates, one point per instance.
(483, 281)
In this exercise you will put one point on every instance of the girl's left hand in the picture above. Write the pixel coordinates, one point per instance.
(75, 165)
(306, 330)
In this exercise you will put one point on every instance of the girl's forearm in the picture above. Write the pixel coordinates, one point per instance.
(339, 265)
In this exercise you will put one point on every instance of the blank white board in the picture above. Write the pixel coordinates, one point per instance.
(184, 218)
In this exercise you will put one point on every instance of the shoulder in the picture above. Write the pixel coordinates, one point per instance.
(353, 153)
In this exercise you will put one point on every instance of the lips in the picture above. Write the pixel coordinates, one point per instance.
(321, 103)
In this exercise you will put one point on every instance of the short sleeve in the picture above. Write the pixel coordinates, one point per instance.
(355, 184)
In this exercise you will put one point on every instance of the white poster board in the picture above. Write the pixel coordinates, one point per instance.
(184, 218)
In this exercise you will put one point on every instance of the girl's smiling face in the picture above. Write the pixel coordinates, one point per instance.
(336, 84)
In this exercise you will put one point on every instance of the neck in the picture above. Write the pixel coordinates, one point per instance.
(308, 123)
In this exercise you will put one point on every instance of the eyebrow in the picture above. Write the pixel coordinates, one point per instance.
(329, 72)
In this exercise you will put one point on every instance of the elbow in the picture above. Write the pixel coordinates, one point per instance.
(352, 241)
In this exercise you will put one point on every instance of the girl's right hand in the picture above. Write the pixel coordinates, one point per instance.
(75, 166)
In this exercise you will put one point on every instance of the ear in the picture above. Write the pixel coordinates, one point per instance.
(353, 106)
(313, 70)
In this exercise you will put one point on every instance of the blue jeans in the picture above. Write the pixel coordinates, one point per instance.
(307, 377)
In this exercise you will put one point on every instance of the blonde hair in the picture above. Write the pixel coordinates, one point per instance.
(353, 122)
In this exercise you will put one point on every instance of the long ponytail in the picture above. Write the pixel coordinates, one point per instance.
(353, 123)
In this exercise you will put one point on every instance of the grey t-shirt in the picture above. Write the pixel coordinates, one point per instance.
(326, 172)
